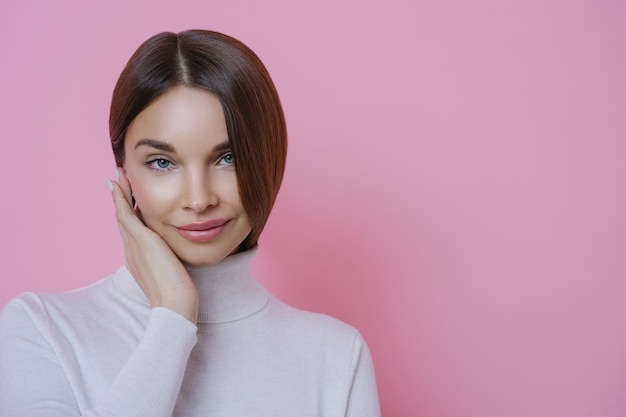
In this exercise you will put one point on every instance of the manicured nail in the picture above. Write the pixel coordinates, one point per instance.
(117, 173)
(110, 184)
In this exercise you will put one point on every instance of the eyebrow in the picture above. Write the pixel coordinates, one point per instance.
(222, 146)
(157, 144)
(166, 147)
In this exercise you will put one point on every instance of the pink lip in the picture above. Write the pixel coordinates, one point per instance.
(203, 231)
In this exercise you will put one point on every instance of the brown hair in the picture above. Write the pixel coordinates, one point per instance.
(229, 69)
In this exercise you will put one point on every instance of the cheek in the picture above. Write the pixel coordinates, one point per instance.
(155, 199)
(229, 192)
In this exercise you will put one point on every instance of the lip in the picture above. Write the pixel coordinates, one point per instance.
(203, 231)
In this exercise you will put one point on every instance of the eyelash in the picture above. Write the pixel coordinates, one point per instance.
(153, 163)
(227, 154)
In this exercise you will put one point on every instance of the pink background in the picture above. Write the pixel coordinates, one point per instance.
(455, 183)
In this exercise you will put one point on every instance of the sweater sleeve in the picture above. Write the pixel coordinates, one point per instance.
(363, 399)
(33, 383)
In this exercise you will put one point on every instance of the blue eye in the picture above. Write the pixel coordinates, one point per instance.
(227, 159)
(163, 163)
(159, 164)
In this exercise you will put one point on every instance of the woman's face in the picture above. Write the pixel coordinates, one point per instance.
(180, 166)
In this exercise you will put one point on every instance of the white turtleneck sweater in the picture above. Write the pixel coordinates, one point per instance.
(102, 351)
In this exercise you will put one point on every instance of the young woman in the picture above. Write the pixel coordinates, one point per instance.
(183, 329)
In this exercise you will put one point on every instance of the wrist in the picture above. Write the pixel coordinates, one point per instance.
(186, 307)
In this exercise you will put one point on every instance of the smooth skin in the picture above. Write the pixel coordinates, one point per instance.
(155, 267)
(180, 169)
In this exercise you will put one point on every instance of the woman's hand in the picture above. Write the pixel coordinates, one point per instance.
(157, 270)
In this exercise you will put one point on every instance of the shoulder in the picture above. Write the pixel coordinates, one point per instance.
(88, 304)
(328, 351)
(316, 329)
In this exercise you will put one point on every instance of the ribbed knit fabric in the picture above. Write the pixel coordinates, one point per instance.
(102, 351)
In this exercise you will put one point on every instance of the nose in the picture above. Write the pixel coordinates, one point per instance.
(198, 192)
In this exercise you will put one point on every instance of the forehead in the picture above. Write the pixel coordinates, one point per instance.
(188, 118)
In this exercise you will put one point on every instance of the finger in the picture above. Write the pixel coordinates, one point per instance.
(119, 200)
(128, 192)
(125, 185)
(125, 215)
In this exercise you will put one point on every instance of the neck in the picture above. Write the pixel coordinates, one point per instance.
(228, 291)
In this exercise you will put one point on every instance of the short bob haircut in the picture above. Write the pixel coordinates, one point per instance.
(229, 69)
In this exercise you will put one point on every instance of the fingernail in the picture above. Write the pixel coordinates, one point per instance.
(110, 184)
(117, 173)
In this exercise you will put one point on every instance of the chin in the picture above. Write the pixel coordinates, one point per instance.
(198, 259)
(204, 254)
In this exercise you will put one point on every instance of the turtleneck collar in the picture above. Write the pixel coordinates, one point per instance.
(228, 291)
